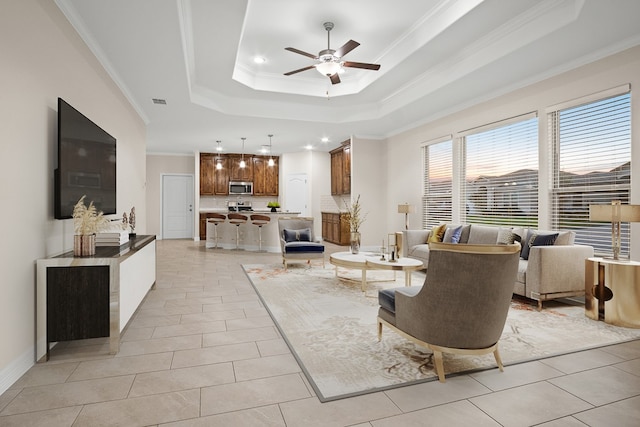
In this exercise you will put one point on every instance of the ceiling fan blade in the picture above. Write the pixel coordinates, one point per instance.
(294, 50)
(361, 65)
(335, 79)
(299, 70)
(346, 48)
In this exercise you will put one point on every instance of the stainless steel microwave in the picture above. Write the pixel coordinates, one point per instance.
(236, 187)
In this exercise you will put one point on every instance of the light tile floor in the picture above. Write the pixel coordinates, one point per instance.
(202, 351)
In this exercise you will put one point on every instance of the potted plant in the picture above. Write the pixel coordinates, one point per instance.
(355, 218)
(87, 221)
(274, 205)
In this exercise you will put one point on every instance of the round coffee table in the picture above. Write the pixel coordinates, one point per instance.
(369, 261)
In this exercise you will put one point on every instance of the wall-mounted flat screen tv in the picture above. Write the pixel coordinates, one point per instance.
(86, 164)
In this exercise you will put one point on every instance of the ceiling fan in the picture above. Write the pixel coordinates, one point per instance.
(329, 60)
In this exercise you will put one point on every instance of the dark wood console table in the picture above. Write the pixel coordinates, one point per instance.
(94, 296)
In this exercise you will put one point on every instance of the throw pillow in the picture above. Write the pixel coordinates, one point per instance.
(506, 236)
(302, 235)
(537, 240)
(437, 233)
(455, 235)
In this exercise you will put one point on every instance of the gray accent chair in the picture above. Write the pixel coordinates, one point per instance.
(298, 241)
(462, 306)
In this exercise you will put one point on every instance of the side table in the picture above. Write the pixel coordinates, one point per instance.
(612, 291)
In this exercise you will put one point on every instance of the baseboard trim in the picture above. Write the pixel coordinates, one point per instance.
(16, 369)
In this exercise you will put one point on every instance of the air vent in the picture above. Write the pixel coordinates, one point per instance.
(159, 101)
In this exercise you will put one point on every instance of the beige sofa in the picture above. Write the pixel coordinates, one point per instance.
(550, 272)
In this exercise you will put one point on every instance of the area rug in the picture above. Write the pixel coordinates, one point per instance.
(330, 326)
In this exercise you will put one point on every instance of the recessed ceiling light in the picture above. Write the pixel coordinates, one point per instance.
(259, 60)
(324, 139)
(309, 147)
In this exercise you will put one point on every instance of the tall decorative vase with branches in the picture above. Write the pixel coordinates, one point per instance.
(355, 217)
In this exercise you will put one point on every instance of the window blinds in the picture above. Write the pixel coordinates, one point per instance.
(591, 145)
(501, 174)
(437, 201)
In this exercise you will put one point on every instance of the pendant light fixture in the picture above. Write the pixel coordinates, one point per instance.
(271, 162)
(218, 161)
(242, 163)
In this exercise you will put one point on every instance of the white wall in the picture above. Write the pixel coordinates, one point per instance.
(157, 165)
(42, 59)
(405, 155)
(369, 180)
(317, 166)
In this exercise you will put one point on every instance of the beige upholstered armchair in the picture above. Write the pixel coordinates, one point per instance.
(462, 306)
(297, 240)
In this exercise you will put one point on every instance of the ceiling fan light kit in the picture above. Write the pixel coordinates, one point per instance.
(329, 60)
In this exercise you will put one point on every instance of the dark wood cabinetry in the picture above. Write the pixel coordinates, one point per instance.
(215, 182)
(207, 179)
(335, 228)
(236, 173)
(78, 311)
(265, 177)
(341, 169)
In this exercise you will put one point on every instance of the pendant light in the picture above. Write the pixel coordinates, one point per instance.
(271, 162)
(218, 161)
(242, 163)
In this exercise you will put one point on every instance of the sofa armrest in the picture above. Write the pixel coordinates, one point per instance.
(410, 238)
(556, 269)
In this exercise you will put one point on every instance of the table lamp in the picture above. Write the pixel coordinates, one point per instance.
(615, 213)
(406, 209)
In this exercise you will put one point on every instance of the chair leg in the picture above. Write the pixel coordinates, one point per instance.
(496, 354)
(437, 357)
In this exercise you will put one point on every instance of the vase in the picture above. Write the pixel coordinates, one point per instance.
(84, 245)
(355, 242)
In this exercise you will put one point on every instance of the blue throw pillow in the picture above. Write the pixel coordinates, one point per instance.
(534, 239)
(303, 235)
(455, 236)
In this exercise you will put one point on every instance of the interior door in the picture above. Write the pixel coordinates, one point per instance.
(177, 206)
(296, 194)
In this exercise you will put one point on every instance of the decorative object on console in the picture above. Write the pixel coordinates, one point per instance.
(87, 221)
(615, 213)
(406, 209)
(131, 221)
(355, 218)
(273, 205)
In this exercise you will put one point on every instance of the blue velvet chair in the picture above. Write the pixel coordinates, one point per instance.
(298, 241)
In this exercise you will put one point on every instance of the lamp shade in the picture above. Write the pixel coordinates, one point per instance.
(406, 208)
(628, 213)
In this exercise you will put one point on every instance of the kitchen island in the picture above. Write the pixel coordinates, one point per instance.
(249, 236)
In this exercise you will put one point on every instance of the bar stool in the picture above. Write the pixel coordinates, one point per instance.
(215, 219)
(237, 220)
(260, 220)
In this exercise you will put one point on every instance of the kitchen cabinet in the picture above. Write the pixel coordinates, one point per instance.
(236, 173)
(221, 177)
(265, 177)
(207, 178)
(335, 228)
(341, 169)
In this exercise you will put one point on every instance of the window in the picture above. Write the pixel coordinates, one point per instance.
(438, 188)
(501, 173)
(591, 142)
